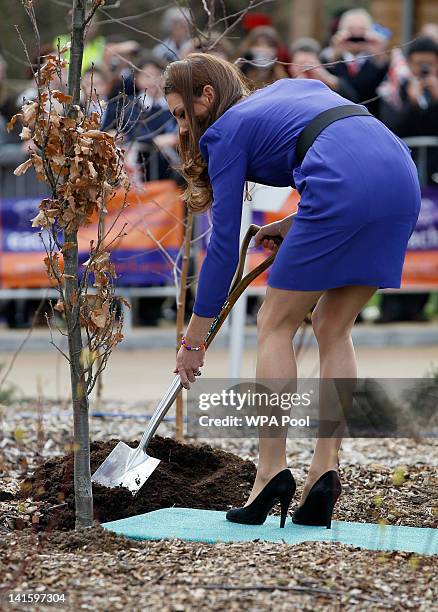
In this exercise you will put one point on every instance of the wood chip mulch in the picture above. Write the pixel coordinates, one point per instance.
(388, 481)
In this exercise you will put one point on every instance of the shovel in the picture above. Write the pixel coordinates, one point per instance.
(131, 467)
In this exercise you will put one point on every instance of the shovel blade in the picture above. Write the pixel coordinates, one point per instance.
(125, 467)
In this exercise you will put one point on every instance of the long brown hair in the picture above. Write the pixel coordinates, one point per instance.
(187, 78)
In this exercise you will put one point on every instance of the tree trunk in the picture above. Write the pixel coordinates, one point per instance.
(82, 473)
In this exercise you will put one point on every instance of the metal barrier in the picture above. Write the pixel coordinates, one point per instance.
(422, 144)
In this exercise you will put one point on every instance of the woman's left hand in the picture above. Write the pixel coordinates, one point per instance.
(265, 235)
(188, 364)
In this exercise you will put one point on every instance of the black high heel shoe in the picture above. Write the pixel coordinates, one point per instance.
(280, 488)
(318, 506)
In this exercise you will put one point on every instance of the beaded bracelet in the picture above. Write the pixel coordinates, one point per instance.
(192, 348)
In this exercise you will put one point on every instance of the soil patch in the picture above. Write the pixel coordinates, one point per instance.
(195, 476)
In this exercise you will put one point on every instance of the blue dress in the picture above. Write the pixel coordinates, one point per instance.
(360, 196)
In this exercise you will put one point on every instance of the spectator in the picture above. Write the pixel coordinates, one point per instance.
(305, 64)
(252, 20)
(117, 62)
(119, 59)
(259, 49)
(175, 27)
(415, 109)
(353, 43)
(160, 125)
(121, 113)
(149, 81)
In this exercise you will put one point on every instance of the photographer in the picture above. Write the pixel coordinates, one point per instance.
(354, 42)
(416, 111)
(158, 143)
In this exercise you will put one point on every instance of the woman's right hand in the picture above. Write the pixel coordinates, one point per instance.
(267, 232)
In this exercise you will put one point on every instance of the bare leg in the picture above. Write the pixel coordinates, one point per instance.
(333, 319)
(278, 320)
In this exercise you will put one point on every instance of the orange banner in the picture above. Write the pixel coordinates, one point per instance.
(152, 235)
(151, 226)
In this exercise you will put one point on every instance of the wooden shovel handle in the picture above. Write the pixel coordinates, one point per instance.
(240, 282)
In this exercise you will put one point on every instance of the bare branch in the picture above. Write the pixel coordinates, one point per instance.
(136, 17)
(53, 343)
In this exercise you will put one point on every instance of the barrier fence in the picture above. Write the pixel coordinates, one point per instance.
(152, 225)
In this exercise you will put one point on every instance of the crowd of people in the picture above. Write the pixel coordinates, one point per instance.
(122, 81)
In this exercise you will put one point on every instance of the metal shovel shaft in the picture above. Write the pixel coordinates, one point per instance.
(158, 416)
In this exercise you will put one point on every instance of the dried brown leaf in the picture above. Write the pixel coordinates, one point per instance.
(62, 97)
(25, 133)
(22, 168)
(40, 220)
(99, 317)
(92, 169)
(59, 306)
(13, 120)
(30, 110)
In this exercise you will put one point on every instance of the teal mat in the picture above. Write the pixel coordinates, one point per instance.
(211, 526)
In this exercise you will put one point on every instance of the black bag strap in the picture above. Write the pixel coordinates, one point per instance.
(320, 122)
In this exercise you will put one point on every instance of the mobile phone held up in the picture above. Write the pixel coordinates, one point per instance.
(356, 39)
(424, 70)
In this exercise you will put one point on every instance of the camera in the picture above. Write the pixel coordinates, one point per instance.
(357, 39)
(424, 70)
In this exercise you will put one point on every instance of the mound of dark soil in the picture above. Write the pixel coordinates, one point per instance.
(195, 476)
